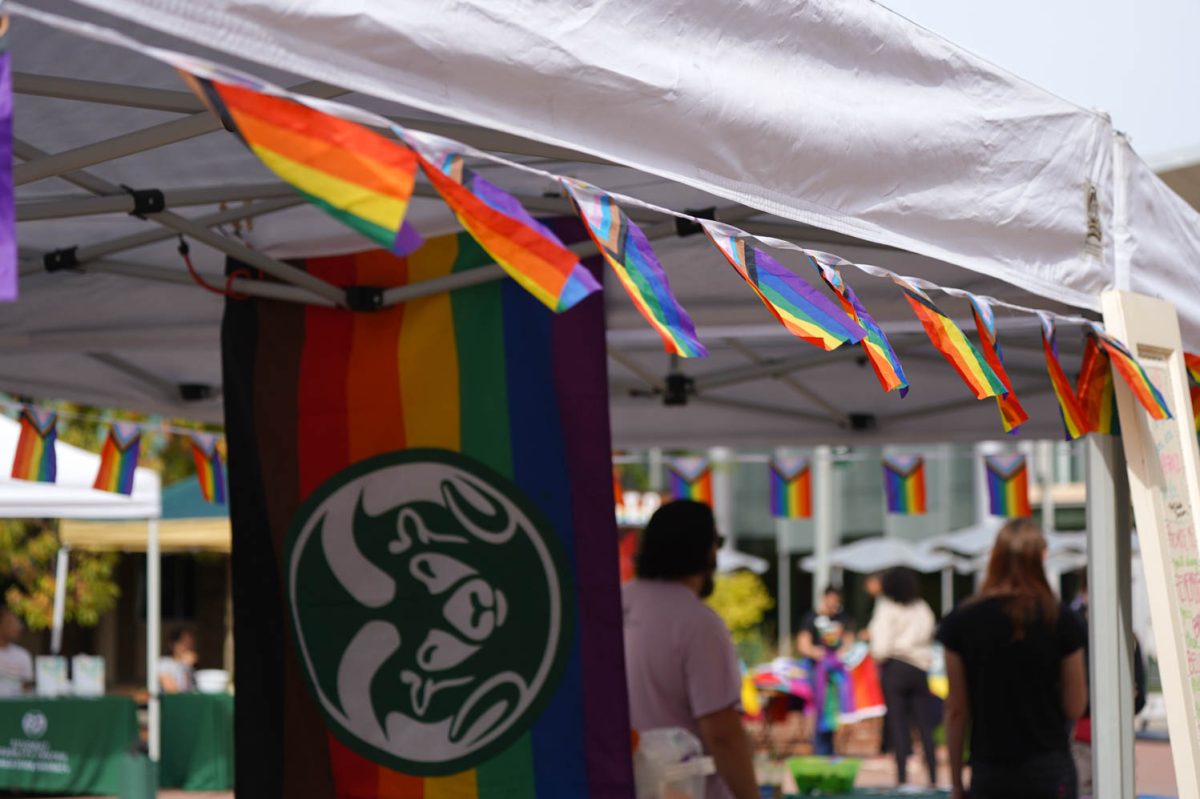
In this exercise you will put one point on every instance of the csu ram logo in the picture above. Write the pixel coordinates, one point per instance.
(431, 609)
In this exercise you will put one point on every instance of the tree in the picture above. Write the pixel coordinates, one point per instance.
(741, 599)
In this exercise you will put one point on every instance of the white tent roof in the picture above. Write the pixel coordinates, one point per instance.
(836, 125)
(871, 555)
(72, 495)
(729, 560)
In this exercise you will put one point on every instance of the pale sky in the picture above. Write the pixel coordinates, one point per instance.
(1139, 61)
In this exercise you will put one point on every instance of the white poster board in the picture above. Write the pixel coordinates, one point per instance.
(1164, 481)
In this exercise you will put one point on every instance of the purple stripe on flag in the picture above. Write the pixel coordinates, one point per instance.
(8, 220)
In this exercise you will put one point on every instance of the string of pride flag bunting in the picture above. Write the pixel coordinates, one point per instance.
(35, 456)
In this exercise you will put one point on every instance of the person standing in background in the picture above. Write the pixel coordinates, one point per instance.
(175, 671)
(16, 665)
(1014, 659)
(901, 635)
(680, 663)
(826, 634)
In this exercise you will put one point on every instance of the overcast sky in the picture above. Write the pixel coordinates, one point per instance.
(1139, 61)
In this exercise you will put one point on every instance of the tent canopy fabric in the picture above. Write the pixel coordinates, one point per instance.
(71, 496)
(189, 524)
(731, 560)
(871, 555)
(976, 180)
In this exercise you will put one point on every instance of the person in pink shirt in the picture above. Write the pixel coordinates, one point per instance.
(679, 657)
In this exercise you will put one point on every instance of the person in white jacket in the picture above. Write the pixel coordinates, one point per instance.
(901, 632)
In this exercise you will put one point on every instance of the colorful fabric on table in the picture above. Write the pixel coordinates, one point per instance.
(1094, 389)
(8, 208)
(210, 472)
(867, 691)
(354, 174)
(798, 306)
(433, 607)
(691, 478)
(1127, 366)
(119, 458)
(1192, 362)
(1008, 485)
(904, 484)
(35, 457)
(627, 250)
(833, 691)
(875, 343)
(527, 250)
(1074, 417)
(948, 339)
(791, 488)
(1012, 415)
(785, 676)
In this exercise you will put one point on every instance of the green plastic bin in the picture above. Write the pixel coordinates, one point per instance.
(835, 775)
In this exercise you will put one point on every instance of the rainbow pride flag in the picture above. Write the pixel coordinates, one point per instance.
(1012, 415)
(791, 488)
(354, 174)
(1008, 485)
(481, 560)
(119, 458)
(805, 313)
(627, 250)
(691, 478)
(209, 469)
(8, 207)
(952, 343)
(35, 458)
(1192, 362)
(1094, 389)
(528, 251)
(904, 484)
(1075, 419)
(1125, 365)
(875, 343)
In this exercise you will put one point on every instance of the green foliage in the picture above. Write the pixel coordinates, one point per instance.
(741, 599)
(27, 558)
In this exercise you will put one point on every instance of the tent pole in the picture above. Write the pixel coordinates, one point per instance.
(239, 285)
(823, 516)
(60, 601)
(66, 207)
(1110, 616)
(722, 465)
(947, 589)
(153, 636)
(783, 587)
(1046, 473)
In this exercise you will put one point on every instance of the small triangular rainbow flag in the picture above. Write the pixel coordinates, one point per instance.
(209, 469)
(35, 459)
(1008, 485)
(1127, 366)
(904, 484)
(1075, 420)
(791, 488)
(691, 478)
(119, 458)
(1012, 415)
(1094, 389)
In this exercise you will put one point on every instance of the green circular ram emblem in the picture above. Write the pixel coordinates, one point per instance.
(430, 607)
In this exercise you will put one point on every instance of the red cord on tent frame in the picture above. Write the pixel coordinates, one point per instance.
(185, 253)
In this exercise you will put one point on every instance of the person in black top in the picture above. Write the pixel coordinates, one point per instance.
(825, 635)
(1015, 663)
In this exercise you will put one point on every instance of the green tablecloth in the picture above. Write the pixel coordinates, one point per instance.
(197, 742)
(66, 745)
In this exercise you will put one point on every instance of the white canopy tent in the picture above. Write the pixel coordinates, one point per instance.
(835, 125)
(71, 496)
(870, 555)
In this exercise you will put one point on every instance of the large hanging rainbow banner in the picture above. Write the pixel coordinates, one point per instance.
(691, 478)
(119, 458)
(904, 484)
(1008, 485)
(35, 458)
(791, 488)
(421, 501)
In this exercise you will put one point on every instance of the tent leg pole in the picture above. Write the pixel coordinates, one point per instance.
(60, 601)
(153, 635)
(947, 589)
(1110, 618)
(823, 513)
(784, 588)
(721, 461)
